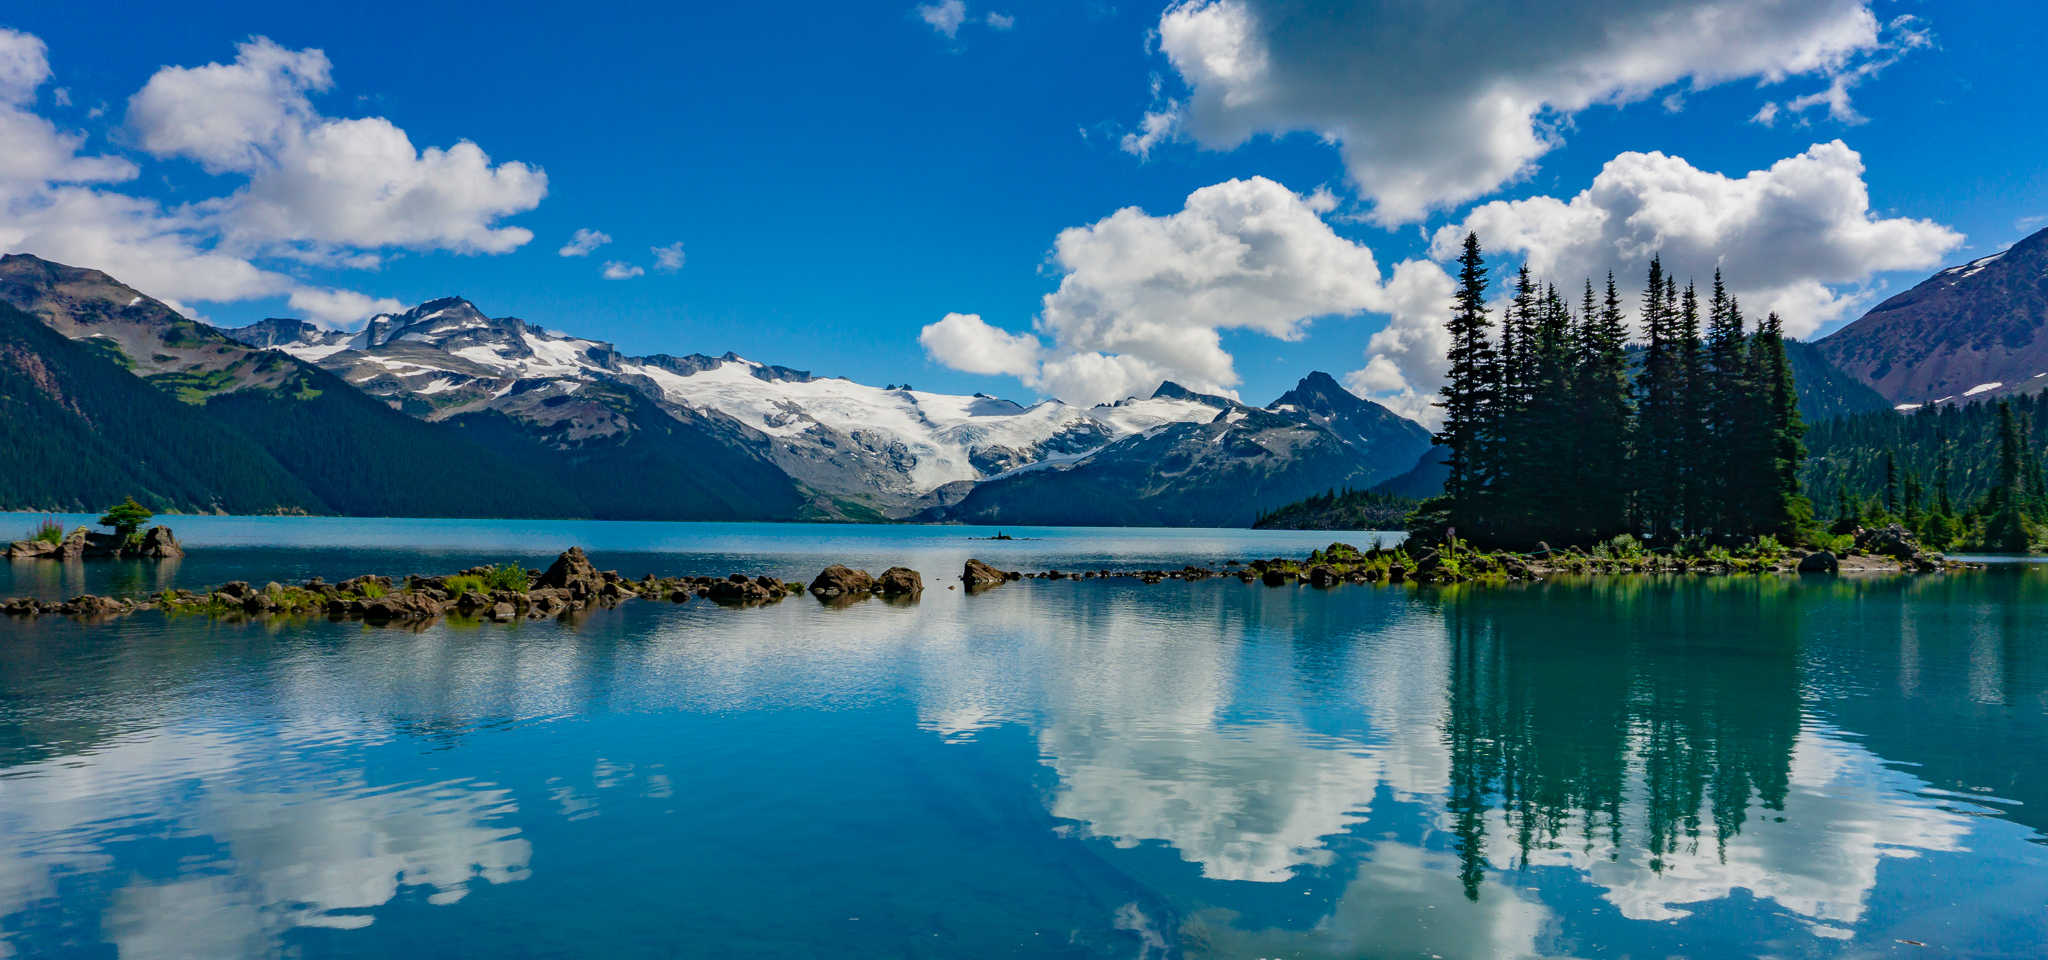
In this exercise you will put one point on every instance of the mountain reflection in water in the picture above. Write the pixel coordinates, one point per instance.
(1698, 766)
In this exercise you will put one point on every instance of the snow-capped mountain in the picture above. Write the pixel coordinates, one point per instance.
(891, 450)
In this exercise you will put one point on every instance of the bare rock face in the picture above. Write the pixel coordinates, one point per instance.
(1974, 330)
(898, 581)
(158, 543)
(837, 580)
(572, 570)
(978, 573)
(1822, 562)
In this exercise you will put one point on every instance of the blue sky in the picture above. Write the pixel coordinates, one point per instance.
(842, 176)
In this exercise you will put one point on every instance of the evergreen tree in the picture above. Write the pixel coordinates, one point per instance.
(1784, 512)
(1692, 455)
(1729, 411)
(1603, 487)
(2005, 520)
(1891, 484)
(1468, 394)
(1660, 411)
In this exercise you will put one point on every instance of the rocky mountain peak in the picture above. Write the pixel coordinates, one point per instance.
(1169, 390)
(1969, 332)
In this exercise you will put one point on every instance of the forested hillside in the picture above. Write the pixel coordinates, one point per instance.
(80, 432)
(1956, 462)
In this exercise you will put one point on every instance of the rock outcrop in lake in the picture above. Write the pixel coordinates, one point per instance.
(156, 544)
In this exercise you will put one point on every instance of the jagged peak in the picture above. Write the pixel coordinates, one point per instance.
(1169, 390)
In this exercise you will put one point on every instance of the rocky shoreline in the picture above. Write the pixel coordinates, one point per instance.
(572, 583)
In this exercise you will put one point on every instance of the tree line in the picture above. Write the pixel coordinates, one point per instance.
(1968, 476)
(1553, 435)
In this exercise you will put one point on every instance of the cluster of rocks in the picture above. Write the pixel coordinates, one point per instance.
(86, 606)
(156, 543)
(839, 581)
(571, 584)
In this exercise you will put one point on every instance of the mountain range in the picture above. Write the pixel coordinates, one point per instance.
(442, 411)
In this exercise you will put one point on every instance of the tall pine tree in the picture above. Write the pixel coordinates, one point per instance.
(1468, 395)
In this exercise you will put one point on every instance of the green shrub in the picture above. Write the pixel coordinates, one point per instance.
(1835, 543)
(1623, 547)
(459, 585)
(126, 517)
(505, 576)
(372, 590)
(48, 530)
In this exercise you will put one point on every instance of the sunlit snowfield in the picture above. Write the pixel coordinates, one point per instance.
(1698, 767)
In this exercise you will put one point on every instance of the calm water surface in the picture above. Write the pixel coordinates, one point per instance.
(1691, 767)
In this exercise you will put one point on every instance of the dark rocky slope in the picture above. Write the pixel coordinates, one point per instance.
(1975, 327)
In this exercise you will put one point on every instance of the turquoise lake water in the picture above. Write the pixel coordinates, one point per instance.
(1654, 767)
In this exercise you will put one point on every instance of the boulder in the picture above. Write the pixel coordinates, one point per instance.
(570, 571)
(26, 549)
(356, 584)
(1323, 575)
(1890, 541)
(237, 589)
(401, 606)
(899, 580)
(91, 606)
(836, 580)
(72, 548)
(503, 612)
(1275, 577)
(1822, 562)
(738, 589)
(978, 573)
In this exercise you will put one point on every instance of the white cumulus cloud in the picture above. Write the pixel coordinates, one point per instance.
(965, 342)
(313, 189)
(998, 21)
(1798, 239)
(668, 259)
(582, 242)
(1433, 106)
(340, 308)
(946, 16)
(1145, 298)
(322, 188)
(621, 270)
